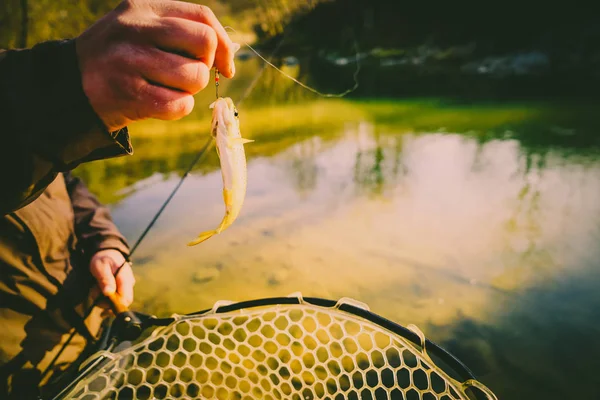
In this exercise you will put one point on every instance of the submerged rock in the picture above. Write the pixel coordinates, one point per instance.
(277, 277)
(204, 275)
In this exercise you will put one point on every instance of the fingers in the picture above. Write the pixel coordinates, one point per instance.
(195, 39)
(124, 84)
(102, 271)
(125, 283)
(195, 12)
(172, 70)
(164, 103)
(103, 266)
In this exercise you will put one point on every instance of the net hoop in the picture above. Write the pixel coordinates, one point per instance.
(309, 348)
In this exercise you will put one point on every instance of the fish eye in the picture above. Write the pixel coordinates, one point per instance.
(235, 113)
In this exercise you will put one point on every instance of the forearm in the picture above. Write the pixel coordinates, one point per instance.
(94, 226)
(47, 124)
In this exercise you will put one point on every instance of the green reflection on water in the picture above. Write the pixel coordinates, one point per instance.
(278, 113)
(164, 148)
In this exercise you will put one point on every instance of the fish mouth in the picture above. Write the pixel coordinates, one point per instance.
(228, 104)
(224, 112)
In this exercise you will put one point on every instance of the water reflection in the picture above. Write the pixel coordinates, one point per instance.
(478, 223)
(378, 162)
(302, 167)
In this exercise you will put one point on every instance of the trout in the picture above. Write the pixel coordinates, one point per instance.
(225, 129)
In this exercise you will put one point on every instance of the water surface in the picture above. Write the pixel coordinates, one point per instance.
(479, 223)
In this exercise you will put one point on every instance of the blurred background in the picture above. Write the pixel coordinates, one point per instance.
(457, 188)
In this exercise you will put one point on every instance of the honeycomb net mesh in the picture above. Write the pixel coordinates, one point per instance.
(277, 352)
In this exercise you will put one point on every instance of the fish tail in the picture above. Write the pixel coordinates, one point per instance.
(202, 237)
(225, 222)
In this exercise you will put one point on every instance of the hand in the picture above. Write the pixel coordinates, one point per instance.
(146, 58)
(103, 266)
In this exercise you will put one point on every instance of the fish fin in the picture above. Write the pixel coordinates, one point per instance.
(202, 237)
(233, 141)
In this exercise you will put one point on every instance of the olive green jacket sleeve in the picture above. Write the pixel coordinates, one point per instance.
(47, 124)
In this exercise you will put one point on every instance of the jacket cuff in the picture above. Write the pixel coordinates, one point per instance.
(65, 129)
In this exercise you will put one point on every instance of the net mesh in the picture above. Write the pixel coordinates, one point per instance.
(297, 351)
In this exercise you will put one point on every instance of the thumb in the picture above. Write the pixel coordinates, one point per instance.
(102, 271)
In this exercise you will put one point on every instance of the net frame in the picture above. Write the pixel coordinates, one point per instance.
(462, 384)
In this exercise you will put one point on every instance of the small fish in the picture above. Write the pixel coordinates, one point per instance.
(225, 128)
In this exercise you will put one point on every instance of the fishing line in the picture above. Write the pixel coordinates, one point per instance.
(250, 87)
(355, 75)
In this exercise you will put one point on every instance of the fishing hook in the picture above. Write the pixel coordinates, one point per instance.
(217, 82)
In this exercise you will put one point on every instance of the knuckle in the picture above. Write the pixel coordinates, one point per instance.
(166, 26)
(205, 10)
(125, 5)
(94, 271)
(209, 37)
(136, 92)
(133, 20)
(104, 282)
(126, 27)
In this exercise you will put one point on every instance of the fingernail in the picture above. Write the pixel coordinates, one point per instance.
(236, 47)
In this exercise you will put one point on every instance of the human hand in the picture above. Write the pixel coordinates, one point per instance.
(103, 266)
(146, 58)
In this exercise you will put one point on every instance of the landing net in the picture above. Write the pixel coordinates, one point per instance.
(272, 350)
